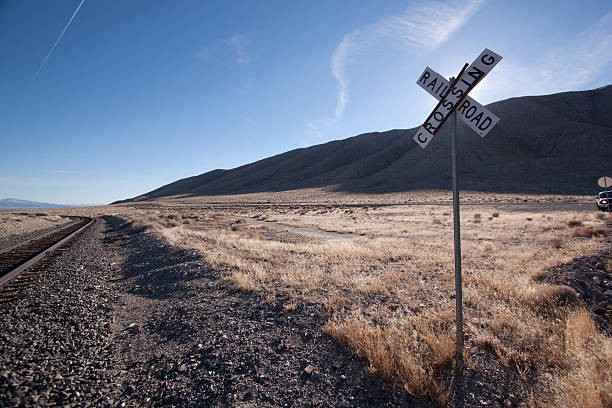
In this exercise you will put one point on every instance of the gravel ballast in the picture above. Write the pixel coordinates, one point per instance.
(55, 338)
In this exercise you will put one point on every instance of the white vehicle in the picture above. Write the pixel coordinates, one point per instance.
(603, 201)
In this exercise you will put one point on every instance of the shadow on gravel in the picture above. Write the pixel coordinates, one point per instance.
(205, 344)
(159, 271)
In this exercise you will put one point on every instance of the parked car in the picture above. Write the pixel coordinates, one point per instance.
(604, 201)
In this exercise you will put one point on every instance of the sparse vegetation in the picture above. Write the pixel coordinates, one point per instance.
(384, 276)
(555, 243)
(588, 232)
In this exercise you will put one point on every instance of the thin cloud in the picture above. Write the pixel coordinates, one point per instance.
(419, 29)
(561, 69)
(238, 44)
(58, 39)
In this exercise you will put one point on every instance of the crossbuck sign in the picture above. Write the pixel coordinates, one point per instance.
(454, 100)
(454, 97)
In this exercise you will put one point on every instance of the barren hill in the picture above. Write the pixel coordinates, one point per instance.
(543, 144)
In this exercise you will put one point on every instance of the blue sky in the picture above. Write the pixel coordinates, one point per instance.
(139, 93)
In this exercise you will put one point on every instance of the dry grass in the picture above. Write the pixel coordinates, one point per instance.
(413, 349)
(555, 243)
(588, 232)
(548, 296)
(384, 274)
(588, 381)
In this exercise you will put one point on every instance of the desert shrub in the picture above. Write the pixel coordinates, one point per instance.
(495, 215)
(574, 223)
(555, 243)
(538, 276)
(548, 295)
(588, 232)
(242, 281)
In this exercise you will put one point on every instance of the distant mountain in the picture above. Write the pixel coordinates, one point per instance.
(17, 203)
(558, 143)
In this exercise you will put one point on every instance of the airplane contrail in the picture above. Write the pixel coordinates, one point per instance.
(59, 39)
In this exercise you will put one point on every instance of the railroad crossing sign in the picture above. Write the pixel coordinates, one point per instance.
(453, 98)
(477, 117)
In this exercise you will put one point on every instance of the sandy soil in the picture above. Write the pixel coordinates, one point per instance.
(20, 226)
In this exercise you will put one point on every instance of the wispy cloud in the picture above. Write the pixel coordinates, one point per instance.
(419, 28)
(560, 69)
(58, 39)
(238, 44)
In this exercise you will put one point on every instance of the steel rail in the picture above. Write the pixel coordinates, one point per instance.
(75, 220)
(6, 278)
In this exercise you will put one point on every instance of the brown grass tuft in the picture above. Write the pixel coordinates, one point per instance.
(242, 281)
(418, 360)
(548, 295)
(574, 223)
(588, 232)
(589, 380)
(538, 276)
(555, 242)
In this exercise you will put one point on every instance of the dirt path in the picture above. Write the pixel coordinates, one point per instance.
(184, 338)
(303, 232)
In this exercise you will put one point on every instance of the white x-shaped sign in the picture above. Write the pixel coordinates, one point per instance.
(477, 117)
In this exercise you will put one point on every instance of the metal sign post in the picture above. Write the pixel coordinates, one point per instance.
(457, 245)
(453, 98)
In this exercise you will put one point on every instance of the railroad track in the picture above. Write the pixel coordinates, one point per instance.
(21, 263)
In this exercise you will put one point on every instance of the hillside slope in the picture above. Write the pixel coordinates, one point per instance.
(543, 144)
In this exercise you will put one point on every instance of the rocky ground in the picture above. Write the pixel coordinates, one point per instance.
(55, 347)
(123, 319)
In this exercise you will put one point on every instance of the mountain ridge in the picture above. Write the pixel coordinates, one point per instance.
(543, 144)
(10, 202)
